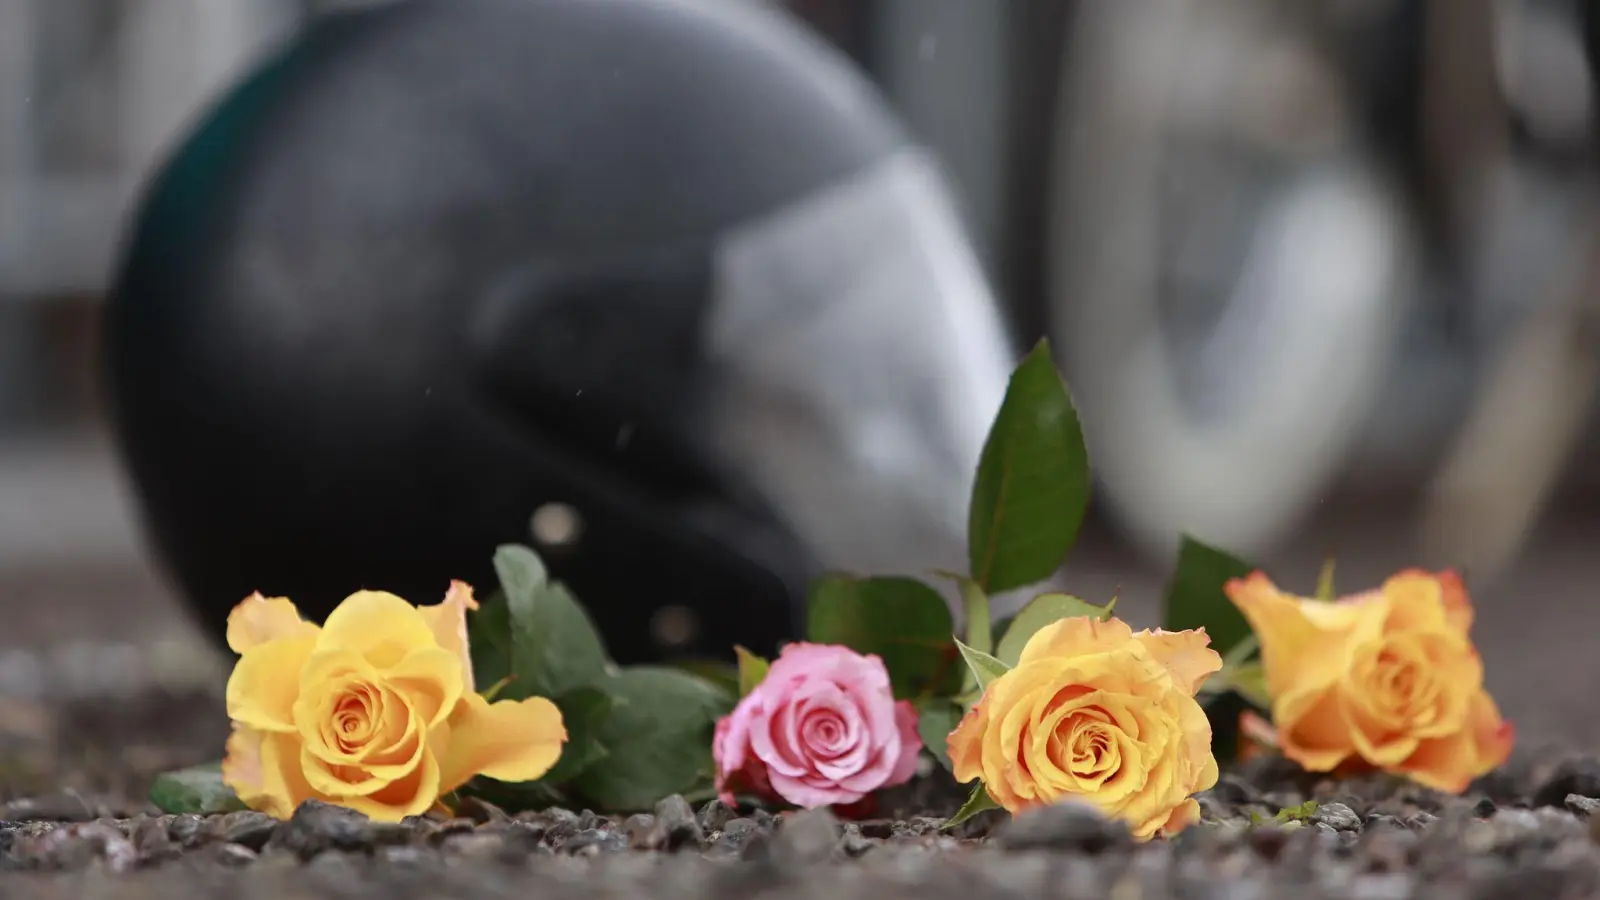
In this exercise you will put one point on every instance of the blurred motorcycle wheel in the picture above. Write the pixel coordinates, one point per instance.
(1203, 158)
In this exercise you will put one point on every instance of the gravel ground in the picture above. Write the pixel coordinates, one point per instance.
(1526, 832)
(75, 825)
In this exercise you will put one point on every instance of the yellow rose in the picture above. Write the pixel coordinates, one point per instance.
(1096, 713)
(376, 710)
(1388, 679)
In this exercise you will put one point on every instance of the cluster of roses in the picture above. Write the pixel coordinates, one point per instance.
(377, 709)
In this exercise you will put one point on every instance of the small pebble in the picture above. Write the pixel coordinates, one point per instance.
(642, 833)
(234, 855)
(1062, 826)
(593, 842)
(247, 828)
(316, 827)
(714, 816)
(1337, 816)
(735, 834)
(853, 843)
(677, 821)
(1582, 806)
(153, 841)
(806, 837)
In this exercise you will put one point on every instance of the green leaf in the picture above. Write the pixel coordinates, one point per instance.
(1249, 681)
(975, 608)
(515, 797)
(1045, 609)
(584, 712)
(1241, 652)
(489, 638)
(1301, 813)
(902, 620)
(1195, 598)
(555, 647)
(719, 672)
(936, 718)
(659, 738)
(978, 801)
(752, 670)
(1032, 486)
(985, 668)
(198, 789)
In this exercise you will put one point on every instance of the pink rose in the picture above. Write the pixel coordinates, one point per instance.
(822, 729)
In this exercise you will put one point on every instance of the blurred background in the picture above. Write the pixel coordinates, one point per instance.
(1322, 275)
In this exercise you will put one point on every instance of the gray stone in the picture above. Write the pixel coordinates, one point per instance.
(594, 841)
(152, 840)
(233, 855)
(715, 815)
(316, 827)
(735, 834)
(853, 843)
(1581, 806)
(246, 828)
(1062, 826)
(675, 817)
(642, 832)
(1337, 816)
(188, 829)
(806, 837)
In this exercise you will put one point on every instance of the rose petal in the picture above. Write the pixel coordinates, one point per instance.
(1311, 729)
(263, 769)
(1077, 636)
(807, 795)
(410, 795)
(1493, 735)
(1302, 640)
(430, 677)
(1185, 653)
(259, 619)
(964, 745)
(832, 662)
(1187, 813)
(737, 768)
(1416, 602)
(1457, 606)
(771, 739)
(448, 622)
(509, 740)
(905, 717)
(1450, 763)
(265, 683)
(380, 626)
(241, 763)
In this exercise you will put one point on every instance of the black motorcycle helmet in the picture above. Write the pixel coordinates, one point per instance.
(664, 273)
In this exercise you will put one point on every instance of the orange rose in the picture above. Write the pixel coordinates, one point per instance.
(1096, 713)
(1388, 678)
(376, 710)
